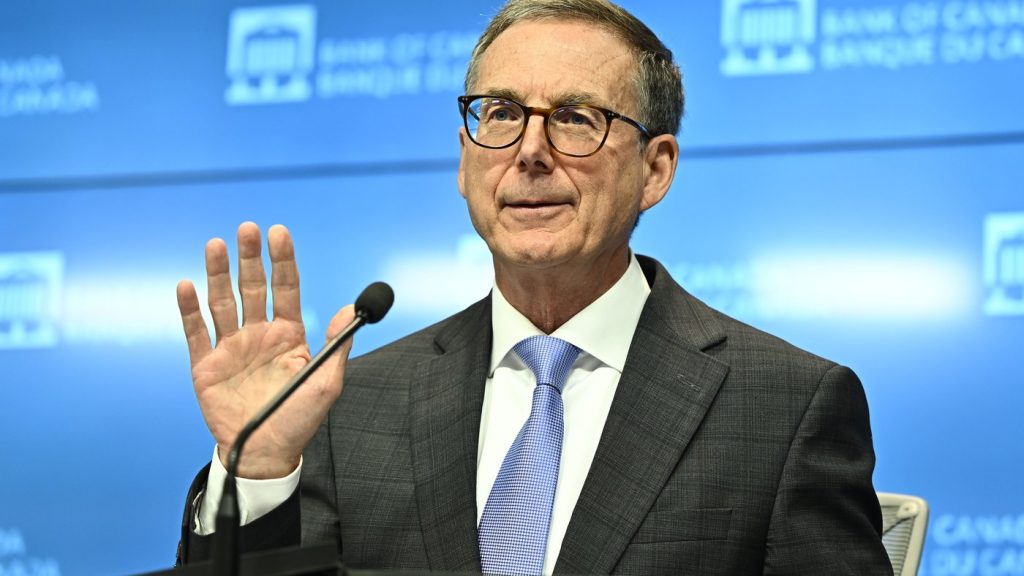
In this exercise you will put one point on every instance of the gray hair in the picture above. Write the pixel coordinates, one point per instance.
(657, 80)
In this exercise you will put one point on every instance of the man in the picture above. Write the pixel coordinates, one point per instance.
(668, 438)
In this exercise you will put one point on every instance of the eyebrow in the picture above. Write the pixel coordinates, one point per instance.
(563, 99)
(505, 94)
(570, 98)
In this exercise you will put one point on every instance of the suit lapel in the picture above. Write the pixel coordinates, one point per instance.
(445, 407)
(666, 388)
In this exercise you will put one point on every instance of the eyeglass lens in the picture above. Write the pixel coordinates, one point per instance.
(496, 123)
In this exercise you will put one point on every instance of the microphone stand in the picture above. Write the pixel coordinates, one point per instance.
(373, 303)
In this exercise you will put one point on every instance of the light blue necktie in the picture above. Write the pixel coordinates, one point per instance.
(514, 525)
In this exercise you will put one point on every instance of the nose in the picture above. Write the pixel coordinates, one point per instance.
(535, 153)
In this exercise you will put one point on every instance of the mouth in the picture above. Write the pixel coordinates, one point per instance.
(535, 212)
(529, 205)
(536, 201)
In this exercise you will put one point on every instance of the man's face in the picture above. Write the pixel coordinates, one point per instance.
(537, 208)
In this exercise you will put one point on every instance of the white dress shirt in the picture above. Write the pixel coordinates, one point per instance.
(603, 331)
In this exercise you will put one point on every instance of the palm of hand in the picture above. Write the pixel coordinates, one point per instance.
(251, 363)
(243, 373)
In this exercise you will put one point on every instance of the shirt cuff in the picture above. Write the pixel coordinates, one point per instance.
(255, 497)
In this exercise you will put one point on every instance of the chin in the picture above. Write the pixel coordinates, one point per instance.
(538, 255)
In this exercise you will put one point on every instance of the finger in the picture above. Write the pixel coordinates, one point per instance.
(221, 298)
(341, 319)
(196, 334)
(252, 281)
(284, 275)
(335, 365)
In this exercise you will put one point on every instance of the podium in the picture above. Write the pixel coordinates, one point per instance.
(294, 561)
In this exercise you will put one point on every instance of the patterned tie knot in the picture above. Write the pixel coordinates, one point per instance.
(550, 358)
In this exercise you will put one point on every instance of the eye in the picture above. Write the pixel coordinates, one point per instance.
(578, 119)
(575, 117)
(499, 111)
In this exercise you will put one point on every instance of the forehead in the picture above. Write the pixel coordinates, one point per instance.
(543, 61)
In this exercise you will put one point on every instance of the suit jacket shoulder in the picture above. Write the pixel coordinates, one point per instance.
(727, 451)
(406, 353)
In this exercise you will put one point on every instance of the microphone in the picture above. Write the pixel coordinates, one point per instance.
(371, 305)
(374, 302)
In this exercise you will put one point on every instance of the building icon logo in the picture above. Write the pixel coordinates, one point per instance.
(763, 37)
(31, 291)
(271, 52)
(1004, 264)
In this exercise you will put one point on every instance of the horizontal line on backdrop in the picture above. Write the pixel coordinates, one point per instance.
(341, 169)
(225, 176)
(841, 146)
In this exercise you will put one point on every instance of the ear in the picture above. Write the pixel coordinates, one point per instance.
(461, 177)
(660, 158)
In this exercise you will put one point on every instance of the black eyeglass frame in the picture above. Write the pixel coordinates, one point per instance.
(546, 113)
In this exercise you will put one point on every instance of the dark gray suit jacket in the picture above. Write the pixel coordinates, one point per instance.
(726, 451)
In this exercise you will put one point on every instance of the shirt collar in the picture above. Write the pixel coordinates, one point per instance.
(604, 329)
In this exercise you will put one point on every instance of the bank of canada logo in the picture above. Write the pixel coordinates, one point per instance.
(768, 36)
(31, 290)
(1004, 264)
(271, 52)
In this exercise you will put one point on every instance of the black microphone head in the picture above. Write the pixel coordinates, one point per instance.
(375, 301)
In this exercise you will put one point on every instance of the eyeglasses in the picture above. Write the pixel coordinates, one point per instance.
(578, 130)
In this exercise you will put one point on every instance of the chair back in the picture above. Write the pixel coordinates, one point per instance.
(904, 521)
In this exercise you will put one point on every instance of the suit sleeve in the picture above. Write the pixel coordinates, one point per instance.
(279, 528)
(319, 501)
(826, 518)
(309, 515)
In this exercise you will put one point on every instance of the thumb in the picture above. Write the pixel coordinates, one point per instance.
(342, 318)
(335, 365)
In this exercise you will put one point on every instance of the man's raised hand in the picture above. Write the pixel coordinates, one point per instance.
(252, 362)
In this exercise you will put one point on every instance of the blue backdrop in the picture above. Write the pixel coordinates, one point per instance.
(850, 180)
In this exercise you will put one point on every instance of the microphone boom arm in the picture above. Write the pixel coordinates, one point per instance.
(373, 303)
